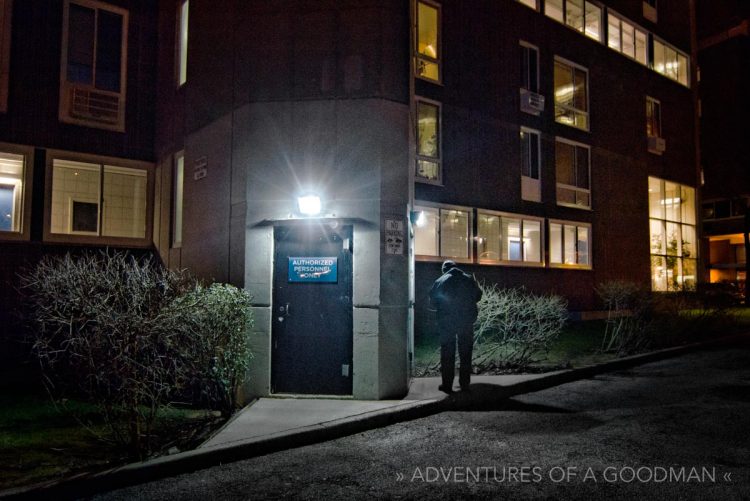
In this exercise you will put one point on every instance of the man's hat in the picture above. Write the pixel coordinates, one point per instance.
(447, 265)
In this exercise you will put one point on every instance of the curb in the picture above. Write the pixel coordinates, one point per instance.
(185, 462)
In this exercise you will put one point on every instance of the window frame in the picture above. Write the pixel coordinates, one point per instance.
(529, 183)
(587, 113)
(509, 262)
(536, 6)
(577, 224)
(27, 188)
(419, 205)
(84, 239)
(558, 184)
(652, 61)
(655, 105)
(528, 47)
(181, 42)
(564, 20)
(419, 56)
(67, 87)
(636, 28)
(417, 157)
(680, 222)
(178, 202)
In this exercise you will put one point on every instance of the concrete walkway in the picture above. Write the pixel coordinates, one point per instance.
(269, 418)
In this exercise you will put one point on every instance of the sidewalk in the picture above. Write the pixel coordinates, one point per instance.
(274, 424)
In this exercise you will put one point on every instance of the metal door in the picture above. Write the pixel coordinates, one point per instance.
(312, 309)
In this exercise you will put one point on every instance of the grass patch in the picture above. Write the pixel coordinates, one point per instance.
(39, 442)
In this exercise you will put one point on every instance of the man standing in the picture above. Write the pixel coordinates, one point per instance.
(455, 295)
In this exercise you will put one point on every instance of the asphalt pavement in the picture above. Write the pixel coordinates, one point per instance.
(673, 429)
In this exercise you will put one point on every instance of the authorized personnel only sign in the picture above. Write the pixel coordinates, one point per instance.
(313, 269)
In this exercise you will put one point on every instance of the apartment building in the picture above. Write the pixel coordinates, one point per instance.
(328, 155)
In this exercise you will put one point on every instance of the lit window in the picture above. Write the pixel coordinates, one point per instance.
(93, 65)
(573, 170)
(649, 10)
(509, 238)
(626, 38)
(670, 62)
(428, 142)
(98, 200)
(182, 42)
(443, 232)
(531, 187)
(11, 192)
(6, 13)
(653, 117)
(569, 244)
(581, 15)
(428, 41)
(530, 3)
(674, 247)
(571, 94)
(179, 182)
(529, 67)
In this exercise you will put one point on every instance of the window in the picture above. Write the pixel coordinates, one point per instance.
(443, 232)
(674, 247)
(529, 67)
(509, 238)
(93, 64)
(11, 192)
(626, 38)
(571, 94)
(96, 199)
(653, 117)
(427, 63)
(581, 15)
(649, 10)
(6, 13)
(670, 62)
(182, 42)
(724, 209)
(573, 170)
(428, 142)
(531, 187)
(531, 3)
(569, 244)
(179, 181)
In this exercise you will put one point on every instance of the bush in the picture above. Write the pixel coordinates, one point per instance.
(513, 325)
(129, 335)
(629, 316)
(214, 322)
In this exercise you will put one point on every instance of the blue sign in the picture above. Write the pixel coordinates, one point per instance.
(313, 269)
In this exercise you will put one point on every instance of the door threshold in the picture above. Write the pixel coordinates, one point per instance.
(310, 396)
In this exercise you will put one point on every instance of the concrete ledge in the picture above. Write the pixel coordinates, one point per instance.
(185, 462)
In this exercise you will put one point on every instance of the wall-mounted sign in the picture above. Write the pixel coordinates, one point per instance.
(200, 168)
(313, 269)
(394, 236)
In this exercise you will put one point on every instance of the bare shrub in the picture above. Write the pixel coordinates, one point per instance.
(129, 336)
(629, 316)
(513, 325)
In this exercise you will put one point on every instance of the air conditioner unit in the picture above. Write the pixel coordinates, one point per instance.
(93, 105)
(657, 145)
(531, 102)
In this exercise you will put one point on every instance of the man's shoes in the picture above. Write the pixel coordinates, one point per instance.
(445, 389)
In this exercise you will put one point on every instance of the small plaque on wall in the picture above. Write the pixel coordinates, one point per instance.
(200, 168)
(394, 236)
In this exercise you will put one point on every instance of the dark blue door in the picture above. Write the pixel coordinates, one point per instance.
(312, 309)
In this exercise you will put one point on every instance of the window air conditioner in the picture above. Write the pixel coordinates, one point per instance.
(95, 106)
(531, 102)
(657, 145)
